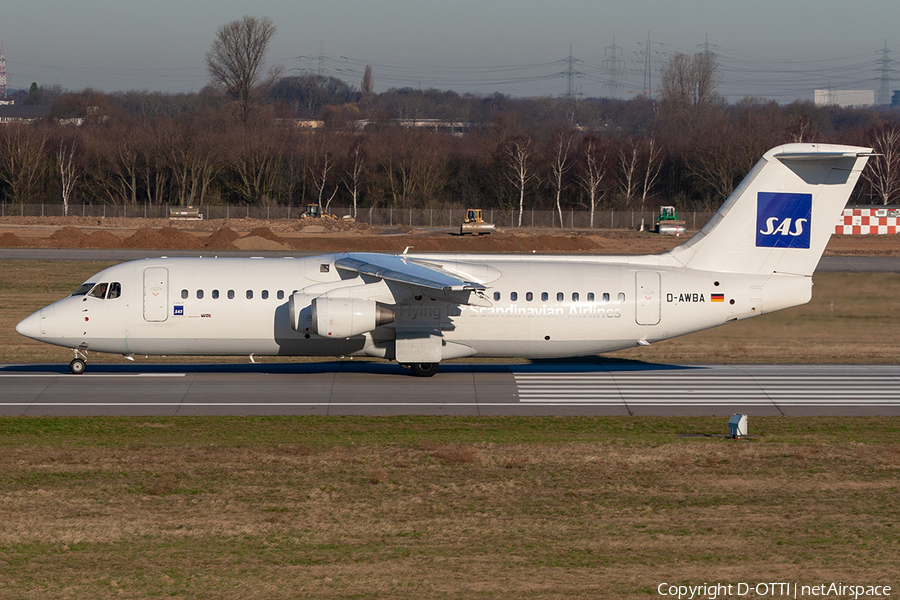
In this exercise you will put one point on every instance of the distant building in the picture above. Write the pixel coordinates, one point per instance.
(15, 113)
(845, 98)
(895, 98)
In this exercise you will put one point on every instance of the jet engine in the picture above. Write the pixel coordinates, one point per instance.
(336, 317)
(346, 317)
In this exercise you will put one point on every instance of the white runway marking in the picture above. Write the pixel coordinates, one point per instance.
(698, 389)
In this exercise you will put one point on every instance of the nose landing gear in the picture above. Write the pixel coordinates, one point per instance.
(79, 363)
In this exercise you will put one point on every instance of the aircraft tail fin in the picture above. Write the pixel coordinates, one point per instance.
(781, 216)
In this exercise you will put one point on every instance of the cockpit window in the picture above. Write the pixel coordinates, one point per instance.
(99, 290)
(115, 290)
(83, 289)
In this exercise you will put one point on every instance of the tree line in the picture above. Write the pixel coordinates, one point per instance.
(244, 144)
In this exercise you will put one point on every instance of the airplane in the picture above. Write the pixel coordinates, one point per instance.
(756, 255)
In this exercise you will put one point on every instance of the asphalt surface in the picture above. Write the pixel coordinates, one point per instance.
(374, 388)
(851, 264)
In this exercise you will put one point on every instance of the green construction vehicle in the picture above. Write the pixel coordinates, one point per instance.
(668, 222)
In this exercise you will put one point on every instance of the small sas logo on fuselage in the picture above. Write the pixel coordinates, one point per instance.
(783, 220)
(179, 310)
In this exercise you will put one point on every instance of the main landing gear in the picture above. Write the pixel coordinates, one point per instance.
(79, 363)
(422, 369)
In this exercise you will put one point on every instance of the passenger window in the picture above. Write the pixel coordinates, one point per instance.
(574, 296)
(496, 296)
(199, 294)
(231, 294)
(621, 296)
(560, 296)
(265, 294)
(215, 294)
(83, 289)
(513, 296)
(281, 294)
(529, 296)
(184, 294)
(249, 294)
(606, 296)
(99, 290)
(115, 290)
(590, 296)
(544, 296)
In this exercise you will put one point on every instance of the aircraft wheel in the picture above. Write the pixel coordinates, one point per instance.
(424, 369)
(77, 366)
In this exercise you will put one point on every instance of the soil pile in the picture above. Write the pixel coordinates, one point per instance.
(167, 238)
(67, 237)
(222, 239)
(11, 240)
(266, 233)
(254, 242)
(100, 239)
(176, 239)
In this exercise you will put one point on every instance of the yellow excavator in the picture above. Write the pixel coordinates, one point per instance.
(475, 223)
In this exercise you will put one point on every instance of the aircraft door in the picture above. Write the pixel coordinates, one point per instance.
(156, 294)
(647, 297)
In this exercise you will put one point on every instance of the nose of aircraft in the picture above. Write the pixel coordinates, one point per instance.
(30, 326)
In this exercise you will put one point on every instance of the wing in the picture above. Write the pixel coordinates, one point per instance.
(409, 271)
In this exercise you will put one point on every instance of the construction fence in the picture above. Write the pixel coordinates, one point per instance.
(381, 216)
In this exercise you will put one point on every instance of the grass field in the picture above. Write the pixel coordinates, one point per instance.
(444, 507)
(419, 507)
(853, 317)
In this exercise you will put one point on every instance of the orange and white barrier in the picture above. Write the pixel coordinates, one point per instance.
(868, 221)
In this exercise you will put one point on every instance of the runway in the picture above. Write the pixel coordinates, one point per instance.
(370, 388)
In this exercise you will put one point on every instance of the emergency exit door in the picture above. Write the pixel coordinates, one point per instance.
(156, 294)
(647, 297)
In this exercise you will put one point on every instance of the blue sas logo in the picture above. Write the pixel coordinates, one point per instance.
(179, 310)
(783, 220)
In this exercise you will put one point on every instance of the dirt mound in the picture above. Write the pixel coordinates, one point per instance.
(179, 240)
(145, 239)
(67, 237)
(100, 239)
(265, 233)
(11, 240)
(222, 239)
(255, 242)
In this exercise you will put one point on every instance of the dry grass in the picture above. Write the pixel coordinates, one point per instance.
(439, 507)
(851, 318)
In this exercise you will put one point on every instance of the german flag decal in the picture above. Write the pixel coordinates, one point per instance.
(717, 298)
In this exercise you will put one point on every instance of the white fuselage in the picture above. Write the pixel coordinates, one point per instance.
(533, 307)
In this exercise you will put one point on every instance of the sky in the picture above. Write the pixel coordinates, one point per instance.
(778, 49)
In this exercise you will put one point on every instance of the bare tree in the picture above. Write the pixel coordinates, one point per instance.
(196, 160)
(560, 145)
(628, 164)
(883, 173)
(65, 163)
(592, 173)
(689, 88)
(519, 155)
(355, 170)
(322, 164)
(257, 164)
(236, 58)
(23, 164)
(652, 166)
